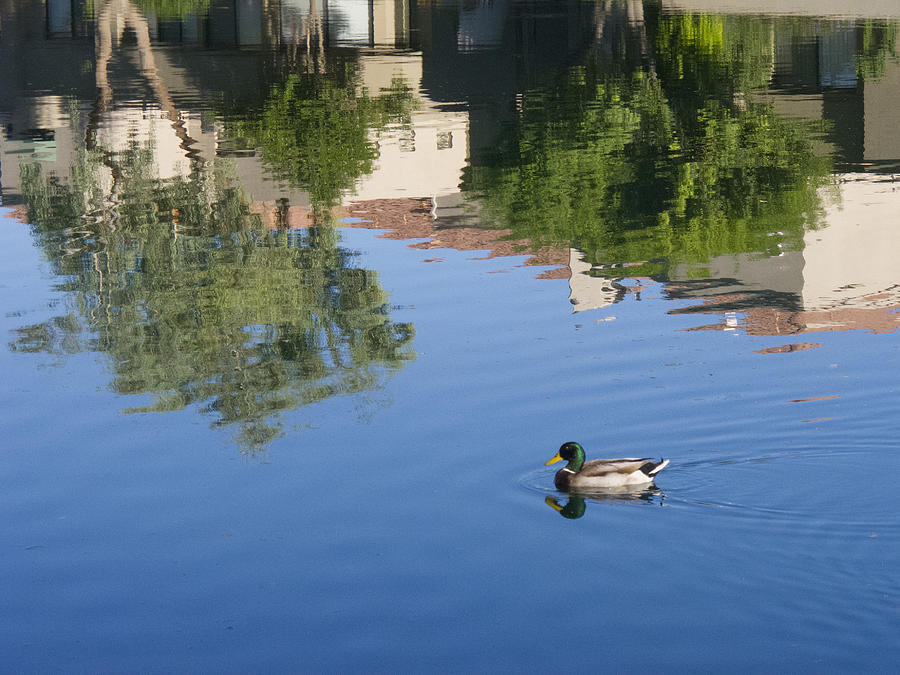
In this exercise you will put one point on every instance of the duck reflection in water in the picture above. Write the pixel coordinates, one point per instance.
(577, 501)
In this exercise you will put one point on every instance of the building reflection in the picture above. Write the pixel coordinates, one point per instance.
(844, 277)
(465, 64)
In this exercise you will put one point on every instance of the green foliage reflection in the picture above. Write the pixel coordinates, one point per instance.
(174, 8)
(196, 305)
(163, 9)
(314, 131)
(878, 43)
(663, 165)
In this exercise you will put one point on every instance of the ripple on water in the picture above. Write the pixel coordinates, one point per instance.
(811, 488)
(574, 504)
(837, 490)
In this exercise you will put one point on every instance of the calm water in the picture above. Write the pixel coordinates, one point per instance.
(299, 297)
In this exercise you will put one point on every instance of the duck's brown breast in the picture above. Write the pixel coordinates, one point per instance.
(563, 479)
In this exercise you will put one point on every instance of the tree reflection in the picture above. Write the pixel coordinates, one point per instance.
(659, 155)
(878, 43)
(172, 9)
(196, 305)
(314, 130)
(176, 280)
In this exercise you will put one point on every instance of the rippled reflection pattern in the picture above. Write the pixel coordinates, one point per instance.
(396, 253)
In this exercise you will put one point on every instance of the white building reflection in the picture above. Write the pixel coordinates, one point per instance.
(852, 262)
(354, 23)
(843, 276)
(424, 158)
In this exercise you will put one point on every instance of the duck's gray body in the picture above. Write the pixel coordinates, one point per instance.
(602, 473)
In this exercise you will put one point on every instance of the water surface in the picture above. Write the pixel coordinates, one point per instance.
(298, 298)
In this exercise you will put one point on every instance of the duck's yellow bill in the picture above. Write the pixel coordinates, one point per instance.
(553, 504)
(556, 458)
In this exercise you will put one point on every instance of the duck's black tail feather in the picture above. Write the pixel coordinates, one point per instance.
(653, 468)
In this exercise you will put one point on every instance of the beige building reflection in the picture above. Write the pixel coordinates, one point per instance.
(844, 277)
(845, 274)
(423, 159)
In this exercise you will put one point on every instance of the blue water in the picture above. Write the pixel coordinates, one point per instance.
(406, 528)
(281, 371)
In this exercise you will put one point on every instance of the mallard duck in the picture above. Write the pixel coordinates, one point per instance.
(602, 473)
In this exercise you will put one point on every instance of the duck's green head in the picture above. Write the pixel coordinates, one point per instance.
(573, 453)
